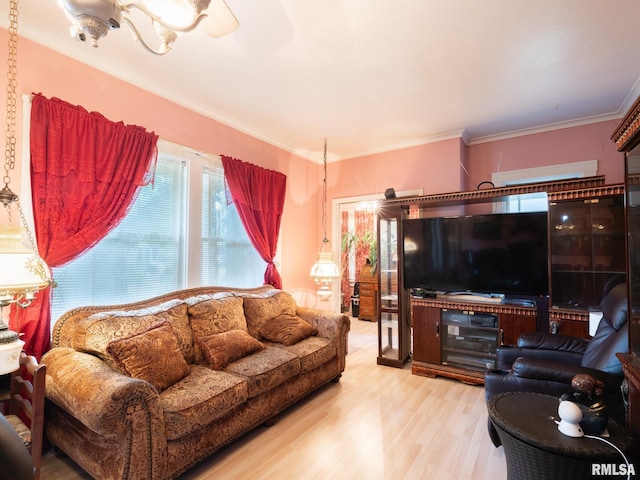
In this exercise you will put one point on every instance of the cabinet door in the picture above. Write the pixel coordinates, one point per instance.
(394, 327)
(587, 250)
(573, 328)
(426, 334)
(513, 325)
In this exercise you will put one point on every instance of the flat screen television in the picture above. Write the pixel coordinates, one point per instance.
(502, 254)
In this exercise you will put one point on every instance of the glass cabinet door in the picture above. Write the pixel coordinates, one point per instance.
(587, 250)
(394, 322)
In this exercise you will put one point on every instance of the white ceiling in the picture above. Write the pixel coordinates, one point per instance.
(376, 75)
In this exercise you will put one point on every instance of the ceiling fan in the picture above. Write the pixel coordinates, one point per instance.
(94, 18)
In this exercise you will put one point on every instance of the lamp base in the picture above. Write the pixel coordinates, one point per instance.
(324, 292)
(10, 356)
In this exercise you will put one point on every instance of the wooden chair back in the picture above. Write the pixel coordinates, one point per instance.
(26, 406)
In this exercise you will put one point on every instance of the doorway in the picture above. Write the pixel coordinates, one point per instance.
(355, 218)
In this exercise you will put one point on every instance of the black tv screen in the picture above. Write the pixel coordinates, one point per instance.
(497, 253)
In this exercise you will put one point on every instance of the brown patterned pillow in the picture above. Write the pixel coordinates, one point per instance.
(96, 331)
(287, 329)
(220, 349)
(260, 309)
(152, 355)
(215, 315)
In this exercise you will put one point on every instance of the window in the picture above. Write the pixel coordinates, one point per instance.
(228, 258)
(534, 202)
(180, 232)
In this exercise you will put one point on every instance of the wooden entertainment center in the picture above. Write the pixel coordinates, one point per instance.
(457, 338)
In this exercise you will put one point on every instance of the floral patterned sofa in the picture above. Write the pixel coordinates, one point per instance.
(147, 390)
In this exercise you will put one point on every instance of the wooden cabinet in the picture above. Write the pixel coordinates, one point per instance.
(512, 325)
(587, 252)
(368, 299)
(426, 333)
(459, 340)
(394, 304)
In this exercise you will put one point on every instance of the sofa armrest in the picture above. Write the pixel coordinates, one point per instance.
(330, 325)
(561, 372)
(125, 411)
(547, 341)
(101, 398)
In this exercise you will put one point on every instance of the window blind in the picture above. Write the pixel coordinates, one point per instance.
(142, 257)
(228, 257)
(148, 254)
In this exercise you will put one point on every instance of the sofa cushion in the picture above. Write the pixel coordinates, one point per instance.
(152, 355)
(94, 333)
(286, 329)
(312, 352)
(259, 309)
(220, 349)
(265, 369)
(199, 399)
(217, 314)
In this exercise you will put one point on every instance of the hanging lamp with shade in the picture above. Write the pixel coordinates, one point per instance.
(325, 270)
(22, 272)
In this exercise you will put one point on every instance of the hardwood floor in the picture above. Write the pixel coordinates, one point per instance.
(376, 423)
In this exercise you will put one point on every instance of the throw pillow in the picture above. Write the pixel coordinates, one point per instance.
(152, 355)
(220, 349)
(215, 315)
(287, 329)
(260, 309)
(96, 331)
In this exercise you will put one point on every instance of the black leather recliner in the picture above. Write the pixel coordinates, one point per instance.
(546, 363)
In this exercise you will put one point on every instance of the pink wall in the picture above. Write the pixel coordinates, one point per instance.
(434, 167)
(77, 83)
(574, 144)
(438, 167)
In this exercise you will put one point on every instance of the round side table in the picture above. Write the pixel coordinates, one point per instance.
(535, 449)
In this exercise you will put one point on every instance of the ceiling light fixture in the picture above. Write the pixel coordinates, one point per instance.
(325, 270)
(94, 18)
(22, 271)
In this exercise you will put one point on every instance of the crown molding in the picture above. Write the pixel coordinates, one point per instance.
(85, 56)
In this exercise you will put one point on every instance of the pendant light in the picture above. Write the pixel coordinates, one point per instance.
(325, 270)
(22, 271)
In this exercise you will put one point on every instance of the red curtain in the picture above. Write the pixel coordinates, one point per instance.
(258, 194)
(85, 174)
(364, 223)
